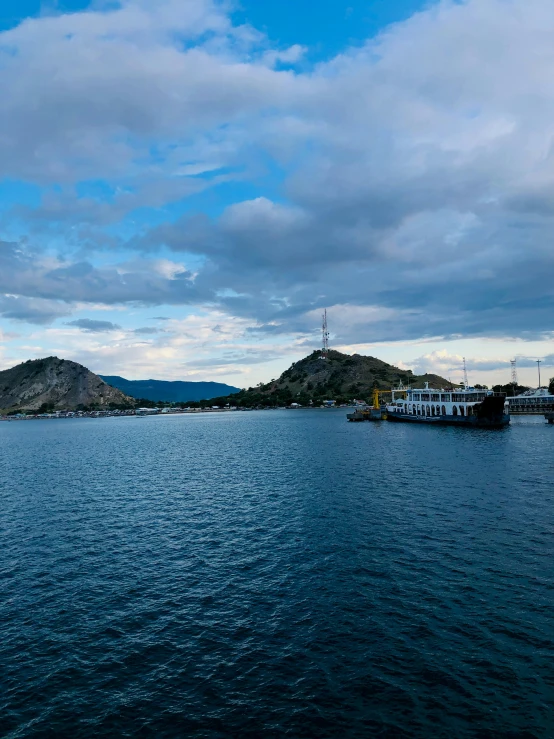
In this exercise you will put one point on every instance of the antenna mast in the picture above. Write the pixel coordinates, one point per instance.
(465, 374)
(325, 337)
(514, 371)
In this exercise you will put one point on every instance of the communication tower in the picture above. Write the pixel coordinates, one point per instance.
(325, 336)
(514, 372)
(465, 374)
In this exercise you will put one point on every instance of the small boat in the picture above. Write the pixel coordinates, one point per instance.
(147, 411)
(474, 407)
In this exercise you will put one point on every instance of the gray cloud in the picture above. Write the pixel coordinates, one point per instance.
(444, 364)
(92, 326)
(146, 330)
(547, 361)
(247, 357)
(421, 200)
(32, 310)
(30, 274)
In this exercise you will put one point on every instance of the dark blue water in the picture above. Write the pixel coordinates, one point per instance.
(275, 574)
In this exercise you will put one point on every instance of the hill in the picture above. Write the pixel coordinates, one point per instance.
(172, 392)
(340, 377)
(56, 384)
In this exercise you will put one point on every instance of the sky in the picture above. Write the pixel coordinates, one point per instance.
(185, 185)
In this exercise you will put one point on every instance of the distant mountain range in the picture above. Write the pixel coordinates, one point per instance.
(56, 384)
(172, 392)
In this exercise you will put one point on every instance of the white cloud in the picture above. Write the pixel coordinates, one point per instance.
(93, 88)
(198, 347)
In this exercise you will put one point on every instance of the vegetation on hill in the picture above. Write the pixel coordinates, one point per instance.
(340, 377)
(510, 389)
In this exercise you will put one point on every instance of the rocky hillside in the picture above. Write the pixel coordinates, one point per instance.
(56, 384)
(341, 377)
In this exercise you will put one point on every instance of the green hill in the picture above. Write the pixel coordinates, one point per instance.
(340, 377)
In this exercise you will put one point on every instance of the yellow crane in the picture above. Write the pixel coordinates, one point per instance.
(377, 393)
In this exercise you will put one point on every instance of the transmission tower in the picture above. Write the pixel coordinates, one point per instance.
(514, 372)
(325, 336)
(465, 374)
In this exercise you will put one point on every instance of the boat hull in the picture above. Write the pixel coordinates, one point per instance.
(472, 421)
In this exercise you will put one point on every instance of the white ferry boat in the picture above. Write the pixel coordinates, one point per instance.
(456, 407)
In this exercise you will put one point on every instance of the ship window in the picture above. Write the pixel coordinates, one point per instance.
(432, 410)
(446, 397)
(435, 396)
(414, 410)
(454, 410)
(428, 411)
(461, 410)
(444, 410)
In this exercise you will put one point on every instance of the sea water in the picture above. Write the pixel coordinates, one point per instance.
(275, 573)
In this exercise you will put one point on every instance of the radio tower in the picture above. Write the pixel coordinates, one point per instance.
(514, 372)
(465, 374)
(325, 336)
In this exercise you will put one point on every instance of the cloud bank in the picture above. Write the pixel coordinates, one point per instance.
(181, 160)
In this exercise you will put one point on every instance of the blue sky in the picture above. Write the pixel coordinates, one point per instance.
(326, 27)
(184, 186)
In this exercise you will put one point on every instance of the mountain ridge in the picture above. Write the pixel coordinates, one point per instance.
(172, 391)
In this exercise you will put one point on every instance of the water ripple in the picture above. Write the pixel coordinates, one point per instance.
(279, 574)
